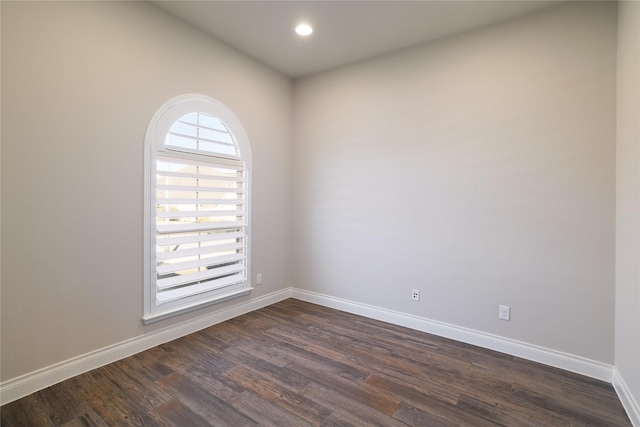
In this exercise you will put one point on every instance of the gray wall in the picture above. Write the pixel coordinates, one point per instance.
(80, 83)
(479, 169)
(627, 344)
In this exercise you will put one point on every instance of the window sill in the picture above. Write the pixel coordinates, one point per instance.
(156, 317)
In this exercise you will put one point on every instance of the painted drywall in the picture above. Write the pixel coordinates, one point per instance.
(80, 81)
(479, 169)
(627, 332)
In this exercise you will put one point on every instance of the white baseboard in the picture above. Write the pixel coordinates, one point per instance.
(532, 352)
(29, 383)
(628, 402)
(24, 385)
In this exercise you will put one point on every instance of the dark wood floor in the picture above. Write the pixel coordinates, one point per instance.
(299, 364)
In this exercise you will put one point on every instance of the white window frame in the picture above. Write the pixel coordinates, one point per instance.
(155, 139)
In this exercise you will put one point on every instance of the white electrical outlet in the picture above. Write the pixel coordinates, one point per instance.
(504, 312)
(415, 295)
(259, 279)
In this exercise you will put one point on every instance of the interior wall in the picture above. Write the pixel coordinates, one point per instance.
(479, 169)
(627, 332)
(81, 81)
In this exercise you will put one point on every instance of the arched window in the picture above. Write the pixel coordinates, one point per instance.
(197, 205)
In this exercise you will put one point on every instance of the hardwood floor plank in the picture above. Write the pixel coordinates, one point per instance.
(282, 376)
(88, 419)
(213, 382)
(518, 370)
(415, 417)
(497, 392)
(363, 351)
(298, 364)
(221, 333)
(26, 412)
(443, 412)
(401, 338)
(176, 355)
(285, 310)
(213, 409)
(320, 364)
(496, 413)
(348, 410)
(113, 406)
(135, 387)
(214, 342)
(277, 393)
(266, 413)
(591, 393)
(61, 403)
(353, 390)
(411, 393)
(86, 380)
(188, 350)
(532, 384)
(461, 374)
(579, 414)
(147, 365)
(298, 339)
(174, 414)
(268, 353)
(352, 328)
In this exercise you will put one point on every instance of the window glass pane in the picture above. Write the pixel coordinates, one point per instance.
(201, 133)
(212, 122)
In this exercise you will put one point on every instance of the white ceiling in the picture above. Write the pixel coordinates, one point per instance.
(344, 31)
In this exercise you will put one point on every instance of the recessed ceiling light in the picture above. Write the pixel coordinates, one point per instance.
(304, 30)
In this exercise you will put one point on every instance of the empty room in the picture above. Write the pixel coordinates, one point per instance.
(320, 213)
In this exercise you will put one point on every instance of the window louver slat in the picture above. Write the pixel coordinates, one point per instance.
(200, 176)
(185, 228)
(170, 240)
(201, 250)
(200, 214)
(199, 138)
(187, 159)
(173, 263)
(203, 189)
(170, 201)
(211, 262)
(199, 288)
(178, 281)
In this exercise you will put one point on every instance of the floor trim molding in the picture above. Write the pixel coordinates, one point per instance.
(24, 385)
(532, 352)
(31, 382)
(628, 402)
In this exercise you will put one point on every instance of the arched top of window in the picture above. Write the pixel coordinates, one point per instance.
(201, 133)
(198, 124)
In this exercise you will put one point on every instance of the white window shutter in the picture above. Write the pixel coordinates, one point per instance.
(198, 234)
